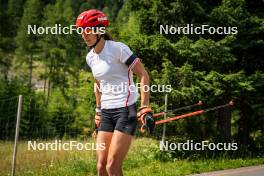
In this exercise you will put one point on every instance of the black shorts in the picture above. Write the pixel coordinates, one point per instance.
(123, 119)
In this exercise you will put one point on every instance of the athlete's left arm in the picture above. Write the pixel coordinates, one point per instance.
(143, 76)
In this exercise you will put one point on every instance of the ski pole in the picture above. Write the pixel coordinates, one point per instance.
(231, 103)
(178, 109)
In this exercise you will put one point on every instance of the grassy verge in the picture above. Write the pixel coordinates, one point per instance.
(140, 161)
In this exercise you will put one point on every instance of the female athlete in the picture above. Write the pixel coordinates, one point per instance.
(112, 64)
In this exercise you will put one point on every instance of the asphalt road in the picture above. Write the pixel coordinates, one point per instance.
(244, 171)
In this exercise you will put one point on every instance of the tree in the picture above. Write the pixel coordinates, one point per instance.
(216, 68)
(27, 43)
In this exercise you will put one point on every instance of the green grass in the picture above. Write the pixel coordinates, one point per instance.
(140, 161)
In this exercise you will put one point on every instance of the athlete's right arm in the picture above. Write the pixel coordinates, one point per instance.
(98, 108)
(97, 94)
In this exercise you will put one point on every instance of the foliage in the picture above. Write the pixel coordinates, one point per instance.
(51, 73)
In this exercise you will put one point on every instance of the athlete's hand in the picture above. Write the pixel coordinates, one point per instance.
(97, 124)
(97, 120)
(146, 117)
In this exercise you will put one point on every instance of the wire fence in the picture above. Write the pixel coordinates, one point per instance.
(30, 151)
(37, 129)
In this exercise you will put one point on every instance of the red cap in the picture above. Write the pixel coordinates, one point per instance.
(92, 18)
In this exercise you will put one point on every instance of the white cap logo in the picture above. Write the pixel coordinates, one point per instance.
(102, 18)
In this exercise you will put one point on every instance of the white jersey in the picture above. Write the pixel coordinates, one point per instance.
(112, 68)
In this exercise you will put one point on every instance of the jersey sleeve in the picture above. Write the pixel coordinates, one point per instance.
(127, 56)
(88, 61)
